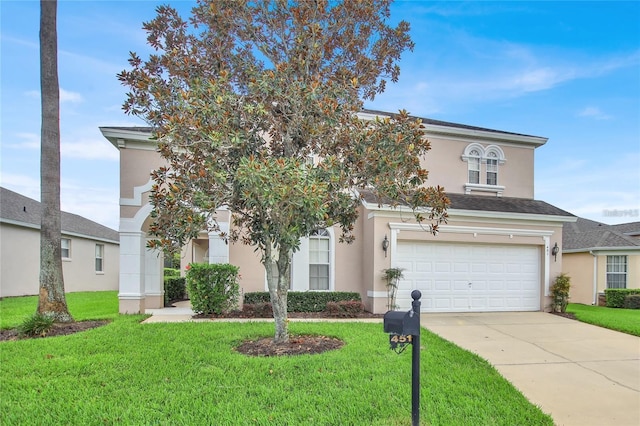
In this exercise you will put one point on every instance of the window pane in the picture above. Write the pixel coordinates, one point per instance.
(99, 256)
(616, 271)
(319, 277)
(65, 244)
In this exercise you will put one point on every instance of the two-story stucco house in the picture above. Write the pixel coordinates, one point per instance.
(494, 254)
(90, 255)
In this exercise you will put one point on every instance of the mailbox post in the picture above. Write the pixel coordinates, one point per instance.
(404, 329)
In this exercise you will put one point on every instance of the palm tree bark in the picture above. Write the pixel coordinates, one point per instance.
(52, 301)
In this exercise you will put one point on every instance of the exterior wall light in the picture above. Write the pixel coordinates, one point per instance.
(554, 251)
(385, 245)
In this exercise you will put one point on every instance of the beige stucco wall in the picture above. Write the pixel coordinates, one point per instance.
(580, 267)
(447, 169)
(20, 257)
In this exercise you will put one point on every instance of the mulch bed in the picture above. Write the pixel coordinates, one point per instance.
(565, 314)
(58, 329)
(298, 345)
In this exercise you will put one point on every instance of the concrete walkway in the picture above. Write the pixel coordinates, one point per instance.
(580, 374)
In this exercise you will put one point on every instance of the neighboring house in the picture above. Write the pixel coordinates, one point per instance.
(598, 256)
(90, 251)
(494, 254)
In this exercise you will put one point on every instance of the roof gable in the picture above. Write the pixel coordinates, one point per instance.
(585, 234)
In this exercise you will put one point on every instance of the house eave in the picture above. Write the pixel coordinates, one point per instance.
(603, 250)
(126, 138)
(400, 211)
(63, 232)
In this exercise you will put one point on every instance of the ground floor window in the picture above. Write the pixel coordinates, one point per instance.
(616, 271)
(65, 245)
(319, 254)
(99, 257)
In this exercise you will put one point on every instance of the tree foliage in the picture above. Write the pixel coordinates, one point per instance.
(255, 107)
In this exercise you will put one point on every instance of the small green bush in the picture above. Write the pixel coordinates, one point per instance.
(344, 309)
(213, 288)
(304, 301)
(174, 289)
(36, 325)
(632, 301)
(560, 293)
(616, 296)
(171, 272)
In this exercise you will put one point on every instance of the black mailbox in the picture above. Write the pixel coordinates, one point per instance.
(402, 323)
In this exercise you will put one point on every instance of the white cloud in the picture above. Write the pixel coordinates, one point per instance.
(586, 189)
(594, 112)
(65, 96)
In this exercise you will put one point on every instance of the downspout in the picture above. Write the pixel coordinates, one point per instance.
(595, 278)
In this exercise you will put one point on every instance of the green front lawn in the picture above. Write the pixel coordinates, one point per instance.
(189, 373)
(624, 320)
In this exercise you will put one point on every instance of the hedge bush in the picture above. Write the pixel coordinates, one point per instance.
(174, 289)
(171, 272)
(344, 308)
(632, 301)
(213, 288)
(258, 310)
(616, 296)
(304, 301)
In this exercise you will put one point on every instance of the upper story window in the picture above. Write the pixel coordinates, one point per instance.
(474, 166)
(492, 168)
(65, 244)
(483, 164)
(99, 257)
(616, 271)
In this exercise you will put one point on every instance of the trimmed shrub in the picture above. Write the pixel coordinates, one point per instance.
(213, 288)
(170, 272)
(560, 293)
(304, 301)
(344, 309)
(36, 325)
(258, 310)
(616, 296)
(632, 301)
(174, 289)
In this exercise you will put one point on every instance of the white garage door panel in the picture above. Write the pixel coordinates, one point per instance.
(466, 277)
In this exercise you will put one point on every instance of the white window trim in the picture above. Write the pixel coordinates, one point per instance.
(625, 273)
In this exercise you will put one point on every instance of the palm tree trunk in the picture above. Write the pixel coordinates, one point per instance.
(52, 301)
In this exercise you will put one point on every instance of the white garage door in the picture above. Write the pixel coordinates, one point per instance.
(469, 277)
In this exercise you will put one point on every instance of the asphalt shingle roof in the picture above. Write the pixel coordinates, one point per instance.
(17, 208)
(587, 234)
(490, 204)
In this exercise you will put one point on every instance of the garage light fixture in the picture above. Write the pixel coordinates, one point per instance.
(554, 251)
(385, 245)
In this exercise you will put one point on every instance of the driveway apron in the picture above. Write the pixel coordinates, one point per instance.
(578, 373)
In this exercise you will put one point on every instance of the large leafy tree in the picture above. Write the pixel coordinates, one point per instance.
(51, 301)
(255, 106)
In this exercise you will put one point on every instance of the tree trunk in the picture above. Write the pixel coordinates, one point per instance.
(278, 290)
(52, 301)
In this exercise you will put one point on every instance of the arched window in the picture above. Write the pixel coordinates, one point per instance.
(319, 259)
(473, 161)
(492, 168)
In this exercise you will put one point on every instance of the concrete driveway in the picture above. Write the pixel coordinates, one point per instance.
(578, 373)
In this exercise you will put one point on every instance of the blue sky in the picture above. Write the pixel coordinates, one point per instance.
(568, 71)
